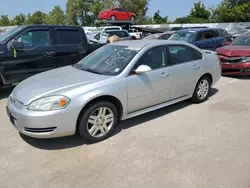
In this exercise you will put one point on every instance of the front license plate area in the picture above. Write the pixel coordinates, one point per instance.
(11, 118)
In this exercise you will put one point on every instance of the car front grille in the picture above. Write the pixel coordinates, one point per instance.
(227, 59)
(231, 70)
(39, 130)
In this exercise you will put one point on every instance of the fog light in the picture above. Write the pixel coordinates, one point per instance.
(247, 70)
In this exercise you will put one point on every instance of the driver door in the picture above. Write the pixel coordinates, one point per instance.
(150, 88)
(34, 58)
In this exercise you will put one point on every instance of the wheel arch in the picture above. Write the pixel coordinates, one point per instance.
(209, 76)
(107, 98)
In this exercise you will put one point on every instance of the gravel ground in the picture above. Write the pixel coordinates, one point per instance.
(185, 145)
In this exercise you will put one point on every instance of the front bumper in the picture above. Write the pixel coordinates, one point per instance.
(241, 69)
(48, 124)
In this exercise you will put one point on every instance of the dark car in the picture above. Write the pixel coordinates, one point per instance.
(235, 58)
(28, 50)
(204, 38)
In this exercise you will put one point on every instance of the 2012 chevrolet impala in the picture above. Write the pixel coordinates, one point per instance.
(116, 82)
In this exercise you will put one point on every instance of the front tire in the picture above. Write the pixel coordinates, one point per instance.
(202, 90)
(98, 121)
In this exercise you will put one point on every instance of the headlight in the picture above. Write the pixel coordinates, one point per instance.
(245, 59)
(49, 103)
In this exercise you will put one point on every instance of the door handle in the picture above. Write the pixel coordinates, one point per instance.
(50, 54)
(164, 75)
(196, 67)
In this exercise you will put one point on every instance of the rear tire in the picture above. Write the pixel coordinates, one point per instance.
(113, 17)
(132, 18)
(202, 90)
(98, 121)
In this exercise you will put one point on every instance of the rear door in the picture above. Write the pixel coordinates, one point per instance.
(118, 14)
(33, 58)
(70, 46)
(184, 68)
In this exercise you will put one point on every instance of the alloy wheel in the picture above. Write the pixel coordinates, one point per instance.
(100, 122)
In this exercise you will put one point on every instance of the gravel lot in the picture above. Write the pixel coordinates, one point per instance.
(185, 145)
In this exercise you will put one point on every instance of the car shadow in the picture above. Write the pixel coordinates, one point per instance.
(5, 92)
(239, 77)
(75, 141)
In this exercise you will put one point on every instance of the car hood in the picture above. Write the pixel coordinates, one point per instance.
(53, 82)
(234, 51)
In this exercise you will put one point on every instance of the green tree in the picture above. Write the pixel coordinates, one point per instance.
(158, 19)
(19, 19)
(4, 20)
(56, 16)
(198, 14)
(199, 11)
(37, 18)
(232, 11)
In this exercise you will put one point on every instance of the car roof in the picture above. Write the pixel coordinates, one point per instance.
(47, 25)
(143, 43)
(198, 29)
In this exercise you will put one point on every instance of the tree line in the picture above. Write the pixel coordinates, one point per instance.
(85, 12)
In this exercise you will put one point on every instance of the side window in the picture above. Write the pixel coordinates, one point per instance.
(181, 54)
(36, 38)
(97, 37)
(208, 35)
(204, 35)
(68, 36)
(165, 37)
(155, 58)
(123, 34)
(122, 10)
(216, 33)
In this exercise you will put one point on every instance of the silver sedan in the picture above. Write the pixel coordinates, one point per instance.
(116, 82)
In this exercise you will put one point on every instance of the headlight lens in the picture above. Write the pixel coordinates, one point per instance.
(246, 59)
(49, 103)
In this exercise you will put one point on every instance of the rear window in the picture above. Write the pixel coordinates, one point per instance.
(68, 36)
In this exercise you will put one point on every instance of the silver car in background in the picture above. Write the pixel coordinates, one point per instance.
(116, 82)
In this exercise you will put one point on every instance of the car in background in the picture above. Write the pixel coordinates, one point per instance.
(235, 58)
(116, 14)
(163, 36)
(119, 81)
(135, 33)
(102, 37)
(204, 38)
(32, 49)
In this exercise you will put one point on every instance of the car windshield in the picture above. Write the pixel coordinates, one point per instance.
(8, 33)
(183, 36)
(149, 37)
(242, 41)
(108, 60)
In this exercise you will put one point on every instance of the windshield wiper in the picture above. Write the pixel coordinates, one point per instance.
(92, 71)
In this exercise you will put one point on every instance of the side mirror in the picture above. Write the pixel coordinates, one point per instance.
(14, 44)
(142, 69)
